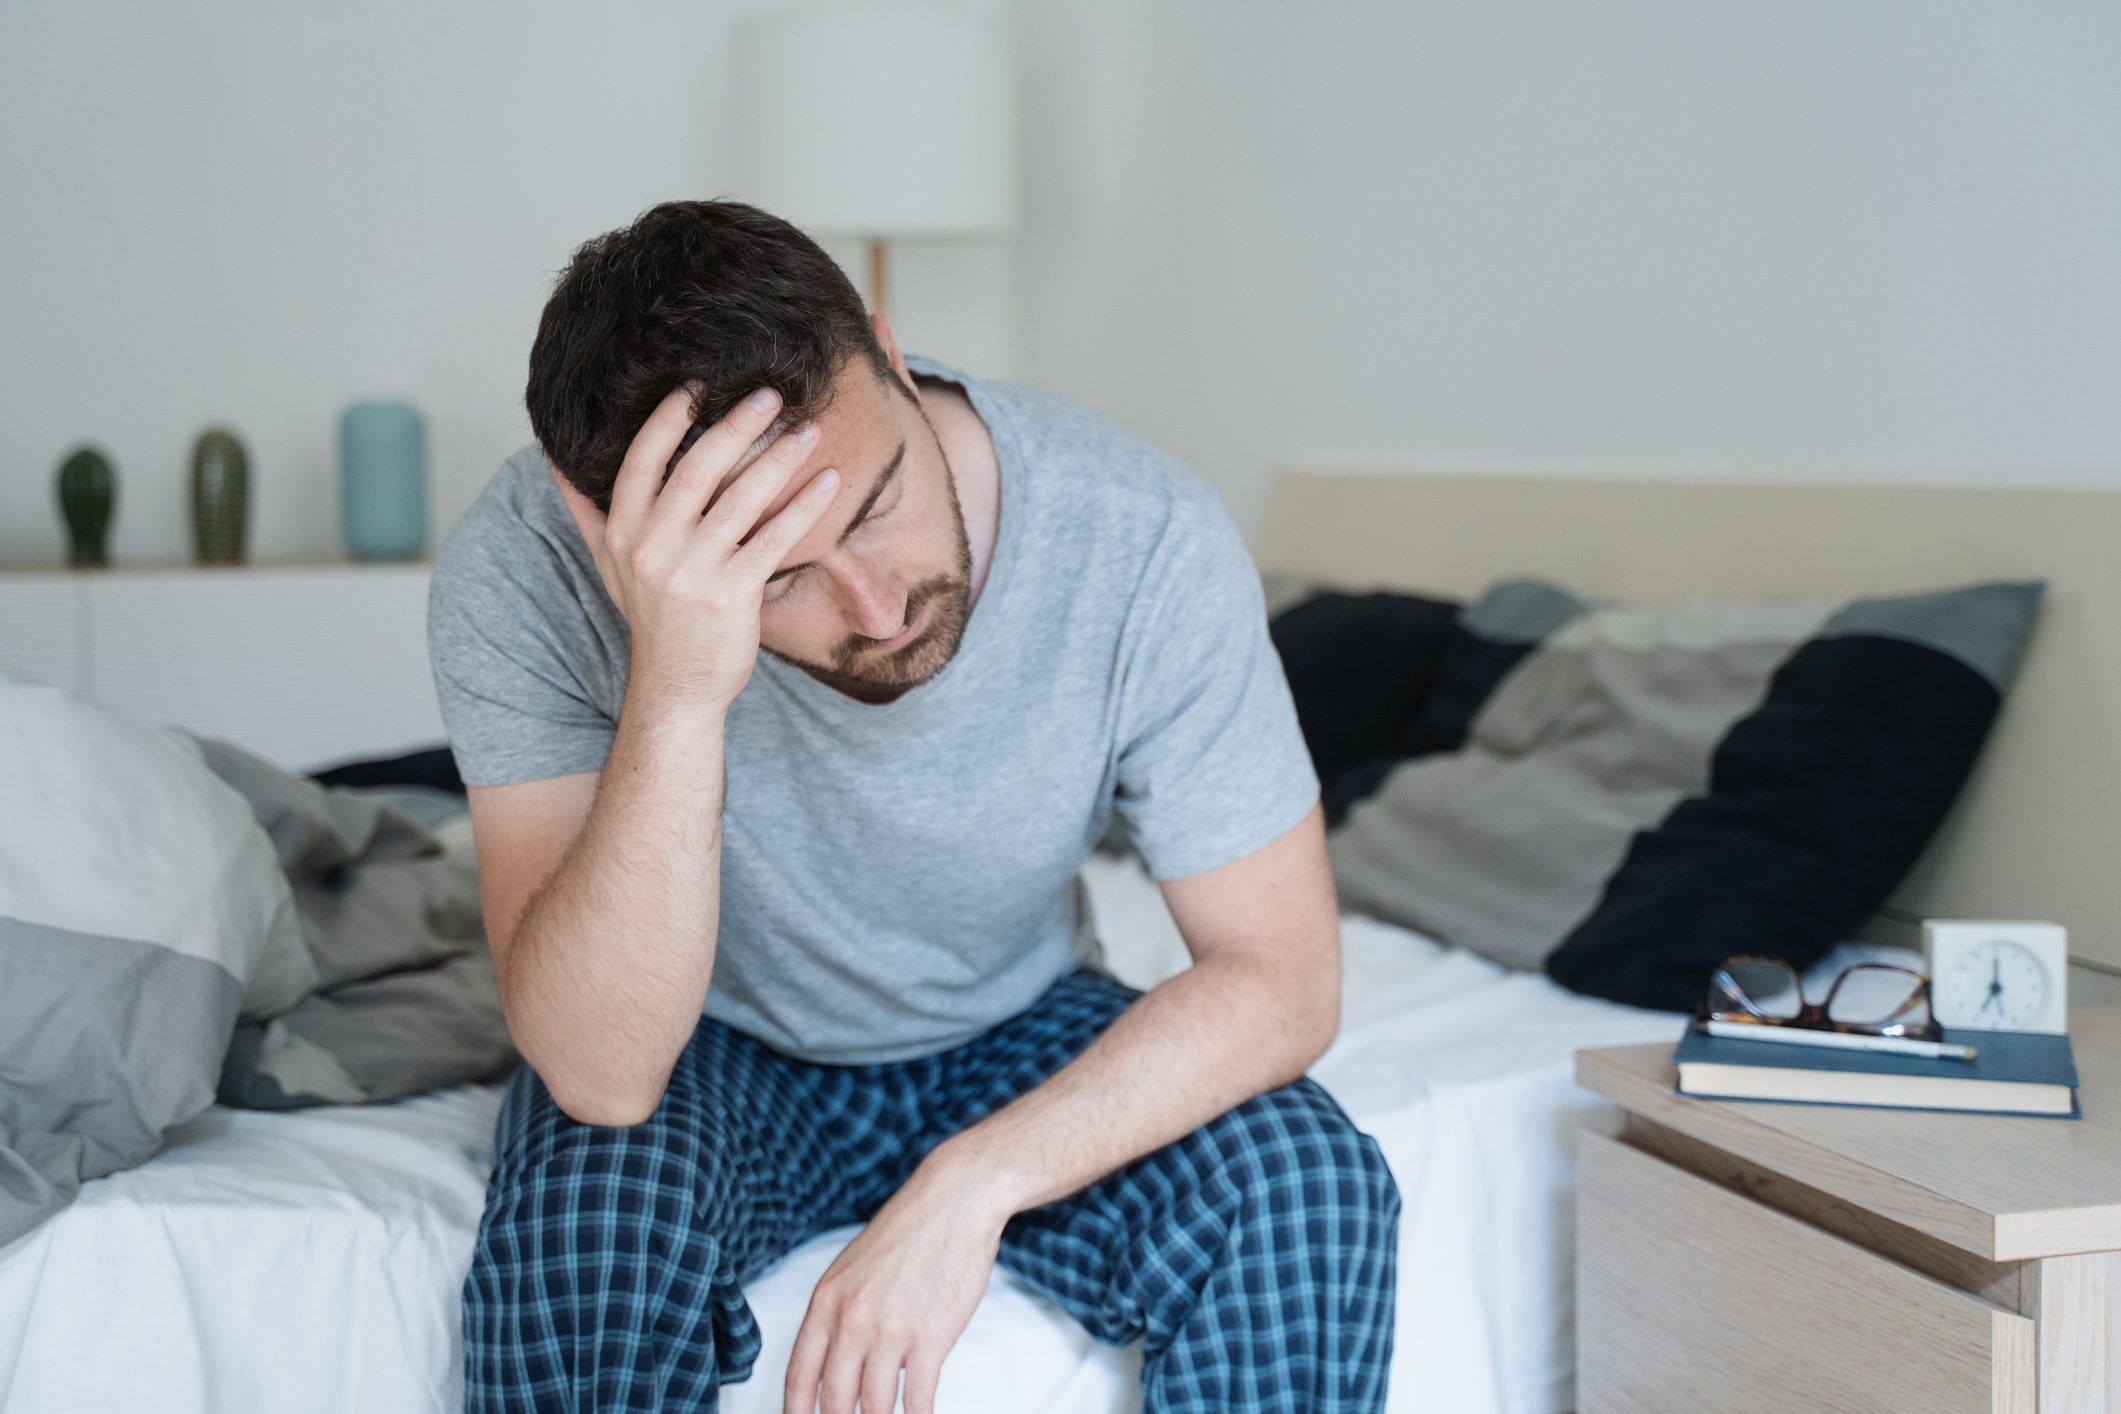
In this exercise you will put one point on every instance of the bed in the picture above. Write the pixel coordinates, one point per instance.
(313, 1260)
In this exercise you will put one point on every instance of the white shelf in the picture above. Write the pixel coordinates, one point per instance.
(304, 663)
(71, 573)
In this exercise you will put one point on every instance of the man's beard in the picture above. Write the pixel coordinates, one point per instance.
(858, 669)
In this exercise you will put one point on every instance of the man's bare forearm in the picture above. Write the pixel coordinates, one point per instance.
(609, 966)
(1188, 1050)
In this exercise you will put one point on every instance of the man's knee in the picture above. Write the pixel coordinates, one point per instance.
(1295, 1147)
(663, 1169)
(601, 1238)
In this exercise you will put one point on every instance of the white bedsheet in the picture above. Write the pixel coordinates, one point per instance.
(312, 1260)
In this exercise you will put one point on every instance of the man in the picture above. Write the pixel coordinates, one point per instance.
(793, 679)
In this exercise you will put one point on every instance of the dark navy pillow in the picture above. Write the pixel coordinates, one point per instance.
(1361, 669)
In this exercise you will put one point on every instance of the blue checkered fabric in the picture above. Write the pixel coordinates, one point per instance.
(1254, 1257)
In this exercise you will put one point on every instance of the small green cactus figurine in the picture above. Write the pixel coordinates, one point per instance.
(220, 496)
(88, 494)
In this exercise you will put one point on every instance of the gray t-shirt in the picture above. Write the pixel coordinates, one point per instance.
(898, 878)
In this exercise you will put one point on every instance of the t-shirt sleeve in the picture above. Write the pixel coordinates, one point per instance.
(1211, 763)
(508, 676)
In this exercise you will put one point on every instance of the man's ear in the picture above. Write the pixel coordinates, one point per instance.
(880, 324)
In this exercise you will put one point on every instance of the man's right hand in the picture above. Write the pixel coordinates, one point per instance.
(687, 562)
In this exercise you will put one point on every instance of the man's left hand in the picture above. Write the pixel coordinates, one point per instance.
(898, 1296)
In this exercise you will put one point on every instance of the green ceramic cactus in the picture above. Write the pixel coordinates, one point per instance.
(220, 497)
(88, 495)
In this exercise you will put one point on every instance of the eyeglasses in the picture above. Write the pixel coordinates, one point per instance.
(1867, 999)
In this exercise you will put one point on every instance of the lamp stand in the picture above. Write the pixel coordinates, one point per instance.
(876, 275)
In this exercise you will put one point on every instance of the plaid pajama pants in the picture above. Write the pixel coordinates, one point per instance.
(1254, 1258)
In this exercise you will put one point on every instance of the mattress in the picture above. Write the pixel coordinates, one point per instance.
(312, 1260)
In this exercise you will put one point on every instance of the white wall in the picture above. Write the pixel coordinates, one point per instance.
(1831, 239)
(258, 211)
(1814, 239)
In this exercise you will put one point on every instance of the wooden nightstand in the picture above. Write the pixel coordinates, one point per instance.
(1774, 1257)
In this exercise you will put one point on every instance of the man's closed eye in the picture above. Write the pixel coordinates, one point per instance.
(778, 589)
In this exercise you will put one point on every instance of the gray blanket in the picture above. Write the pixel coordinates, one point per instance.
(404, 997)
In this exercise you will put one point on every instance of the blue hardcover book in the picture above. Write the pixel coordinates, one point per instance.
(2013, 1072)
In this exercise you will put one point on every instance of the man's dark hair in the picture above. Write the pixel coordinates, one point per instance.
(714, 290)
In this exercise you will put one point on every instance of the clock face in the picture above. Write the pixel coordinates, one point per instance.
(1997, 985)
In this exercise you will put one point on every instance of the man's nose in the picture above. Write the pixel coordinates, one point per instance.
(876, 610)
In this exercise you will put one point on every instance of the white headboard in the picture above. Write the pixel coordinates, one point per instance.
(2036, 833)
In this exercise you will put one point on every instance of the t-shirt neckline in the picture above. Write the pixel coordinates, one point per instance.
(985, 610)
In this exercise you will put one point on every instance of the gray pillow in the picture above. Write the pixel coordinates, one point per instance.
(141, 909)
(183, 921)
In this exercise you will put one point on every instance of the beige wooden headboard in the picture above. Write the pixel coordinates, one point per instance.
(2037, 832)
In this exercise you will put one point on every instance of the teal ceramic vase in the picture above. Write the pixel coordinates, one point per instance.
(383, 480)
(220, 497)
(88, 494)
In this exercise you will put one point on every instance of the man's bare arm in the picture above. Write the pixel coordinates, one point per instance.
(603, 963)
(605, 968)
(1259, 1005)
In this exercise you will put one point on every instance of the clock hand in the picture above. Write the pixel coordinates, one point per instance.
(1993, 993)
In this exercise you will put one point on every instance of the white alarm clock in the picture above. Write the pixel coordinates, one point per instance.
(1988, 976)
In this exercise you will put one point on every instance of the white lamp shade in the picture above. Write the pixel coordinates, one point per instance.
(883, 118)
